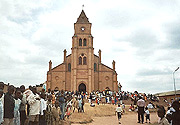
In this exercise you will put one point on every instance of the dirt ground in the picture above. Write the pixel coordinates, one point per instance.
(128, 119)
(105, 115)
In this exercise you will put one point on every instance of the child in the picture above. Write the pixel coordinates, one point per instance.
(119, 111)
(131, 108)
(98, 99)
(112, 100)
(42, 109)
(147, 114)
(68, 111)
(1, 107)
(17, 106)
(48, 115)
(123, 107)
(83, 105)
(103, 100)
(56, 112)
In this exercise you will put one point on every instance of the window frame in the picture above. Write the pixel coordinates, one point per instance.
(80, 42)
(69, 67)
(84, 42)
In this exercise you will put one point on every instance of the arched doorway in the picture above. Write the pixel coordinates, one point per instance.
(82, 87)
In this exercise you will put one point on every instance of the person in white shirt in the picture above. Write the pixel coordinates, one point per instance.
(147, 114)
(119, 111)
(1, 102)
(2, 88)
(34, 102)
(17, 107)
(1, 108)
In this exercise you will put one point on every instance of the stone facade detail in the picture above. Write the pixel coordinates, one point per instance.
(82, 70)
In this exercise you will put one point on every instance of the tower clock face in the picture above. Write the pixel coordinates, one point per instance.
(82, 28)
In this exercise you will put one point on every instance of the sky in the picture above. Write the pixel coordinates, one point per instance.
(142, 36)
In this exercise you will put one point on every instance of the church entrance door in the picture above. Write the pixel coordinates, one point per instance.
(82, 87)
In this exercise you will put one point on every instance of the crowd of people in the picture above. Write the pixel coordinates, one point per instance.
(171, 117)
(20, 106)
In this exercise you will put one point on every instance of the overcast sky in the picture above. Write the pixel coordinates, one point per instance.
(143, 37)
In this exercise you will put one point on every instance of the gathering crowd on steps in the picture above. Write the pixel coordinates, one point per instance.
(20, 106)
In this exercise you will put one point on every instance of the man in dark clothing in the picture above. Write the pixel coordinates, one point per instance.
(9, 105)
(176, 114)
(23, 105)
(1, 85)
(141, 105)
(62, 103)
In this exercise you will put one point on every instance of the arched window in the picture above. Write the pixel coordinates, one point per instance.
(69, 67)
(84, 60)
(84, 42)
(95, 67)
(80, 42)
(80, 60)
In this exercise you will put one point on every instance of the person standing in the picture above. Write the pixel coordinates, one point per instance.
(43, 106)
(2, 88)
(48, 115)
(9, 105)
(56, 112)
(147, 114)
(176, 114)
(79, 105)
(83, 102)
(62, 104)
(141, 105)
(23, 105)
(75, 103)
(17, 107)
(119, 111)
(34, 103)
(1, 108)
(161, 114)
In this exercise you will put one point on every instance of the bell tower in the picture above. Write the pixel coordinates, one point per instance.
(82, 30)
(82, 54)
(82, 26)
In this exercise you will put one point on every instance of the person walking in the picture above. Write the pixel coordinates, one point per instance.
(141, 105)
(119, 112)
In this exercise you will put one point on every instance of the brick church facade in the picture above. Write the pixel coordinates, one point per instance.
(82, 70)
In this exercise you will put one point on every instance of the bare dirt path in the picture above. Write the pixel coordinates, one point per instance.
(127, 119)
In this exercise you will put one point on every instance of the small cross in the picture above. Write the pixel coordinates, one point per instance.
(82, 6)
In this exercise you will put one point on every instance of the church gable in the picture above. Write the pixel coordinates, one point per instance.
(106, 68)
(60, 67)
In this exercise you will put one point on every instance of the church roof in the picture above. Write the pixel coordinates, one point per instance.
(82, 18)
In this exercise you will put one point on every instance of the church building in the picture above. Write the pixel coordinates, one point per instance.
(82, 70)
